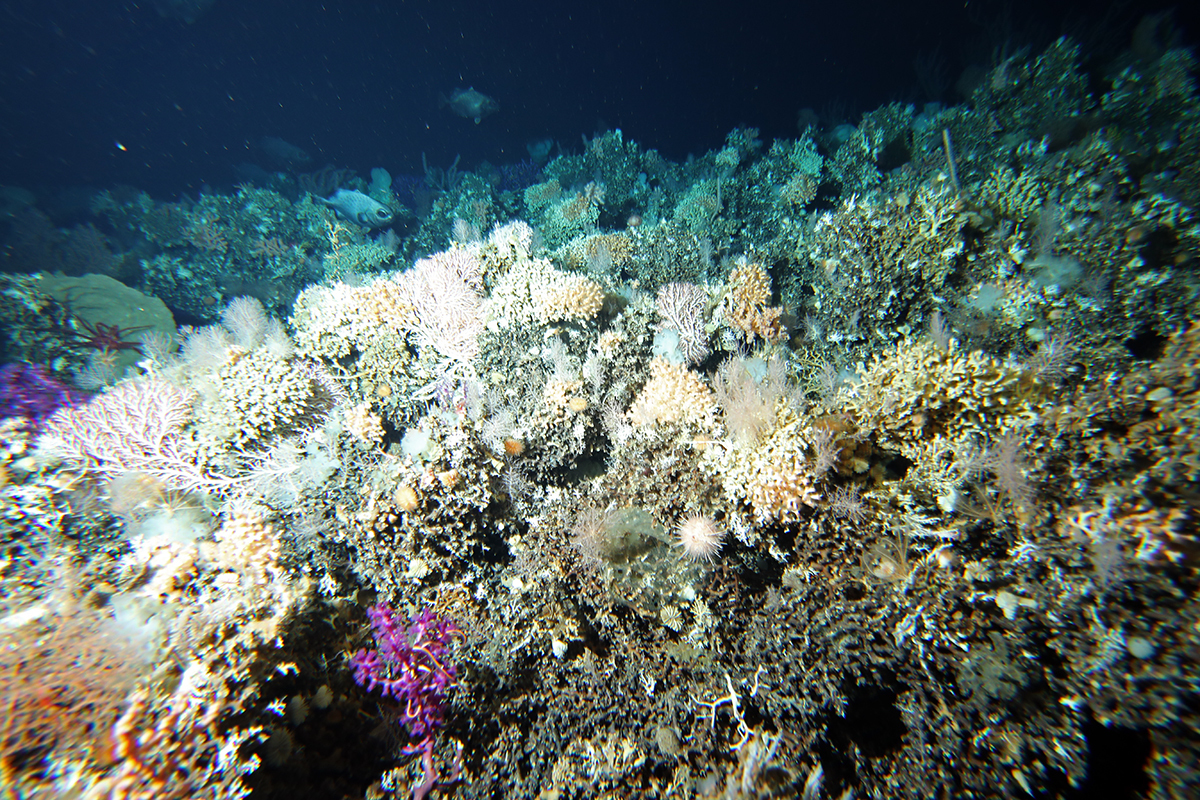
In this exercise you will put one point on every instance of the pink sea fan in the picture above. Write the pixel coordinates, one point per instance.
(134, 427)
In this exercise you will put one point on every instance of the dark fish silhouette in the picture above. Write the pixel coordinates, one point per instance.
(470, 104)
(281, 154)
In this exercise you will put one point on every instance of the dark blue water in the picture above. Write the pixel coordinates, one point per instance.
(106, 92)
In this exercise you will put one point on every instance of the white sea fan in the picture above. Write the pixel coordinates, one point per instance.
(565, 366)
(447, 306)
(246, 320)
(464, 232)
(749, 404)
(281, 475)
(275, 476)
(277, 341)
(157, 346)
(682, 308)
(99, 373)
(204, 349)
(497, 427)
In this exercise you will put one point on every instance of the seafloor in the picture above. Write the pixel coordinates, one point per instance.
(857, 465)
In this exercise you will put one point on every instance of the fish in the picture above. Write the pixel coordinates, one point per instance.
(470, 104)
(284, 155)
(540, 149)
(246, 172)
(357, 207)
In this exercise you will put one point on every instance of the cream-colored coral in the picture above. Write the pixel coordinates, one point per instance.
(570, 298)
(919, 388)
(507, 244)
(247, 545)
(531, 290)
(540, 196)
(572, 214)
(748, 290)
(1012, 196)
(363, 424)
(608, 342)
(674, 394)
(942, 466)
(259, 397)
(799, 190)
(168, 746)
(563, 401)
(774, 477)
(436, 299)
(237, 596)
(612, 250)
(334, 321)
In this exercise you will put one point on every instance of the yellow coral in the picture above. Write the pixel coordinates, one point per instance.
(774, 477)
(581, 252)
(363, 424)
(561, 400)
(919, 390)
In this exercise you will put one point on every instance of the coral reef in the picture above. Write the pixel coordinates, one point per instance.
(861, 463)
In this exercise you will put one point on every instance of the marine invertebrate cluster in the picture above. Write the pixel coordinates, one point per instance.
(530, 289)
(918, 388)
(261, 397)
(63, 679)
(879, 260)
(745, 307)
(674, 394)
(915, 553)
(776, 476)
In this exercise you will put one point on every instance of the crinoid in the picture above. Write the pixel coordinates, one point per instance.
(98, 336)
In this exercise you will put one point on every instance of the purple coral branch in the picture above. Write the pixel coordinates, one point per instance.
(411, 664)
(31, 391)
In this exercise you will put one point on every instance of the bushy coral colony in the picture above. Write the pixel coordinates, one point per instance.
(862, 464)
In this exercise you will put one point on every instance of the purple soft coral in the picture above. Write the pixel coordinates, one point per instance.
(31, 391)
(411, 665)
